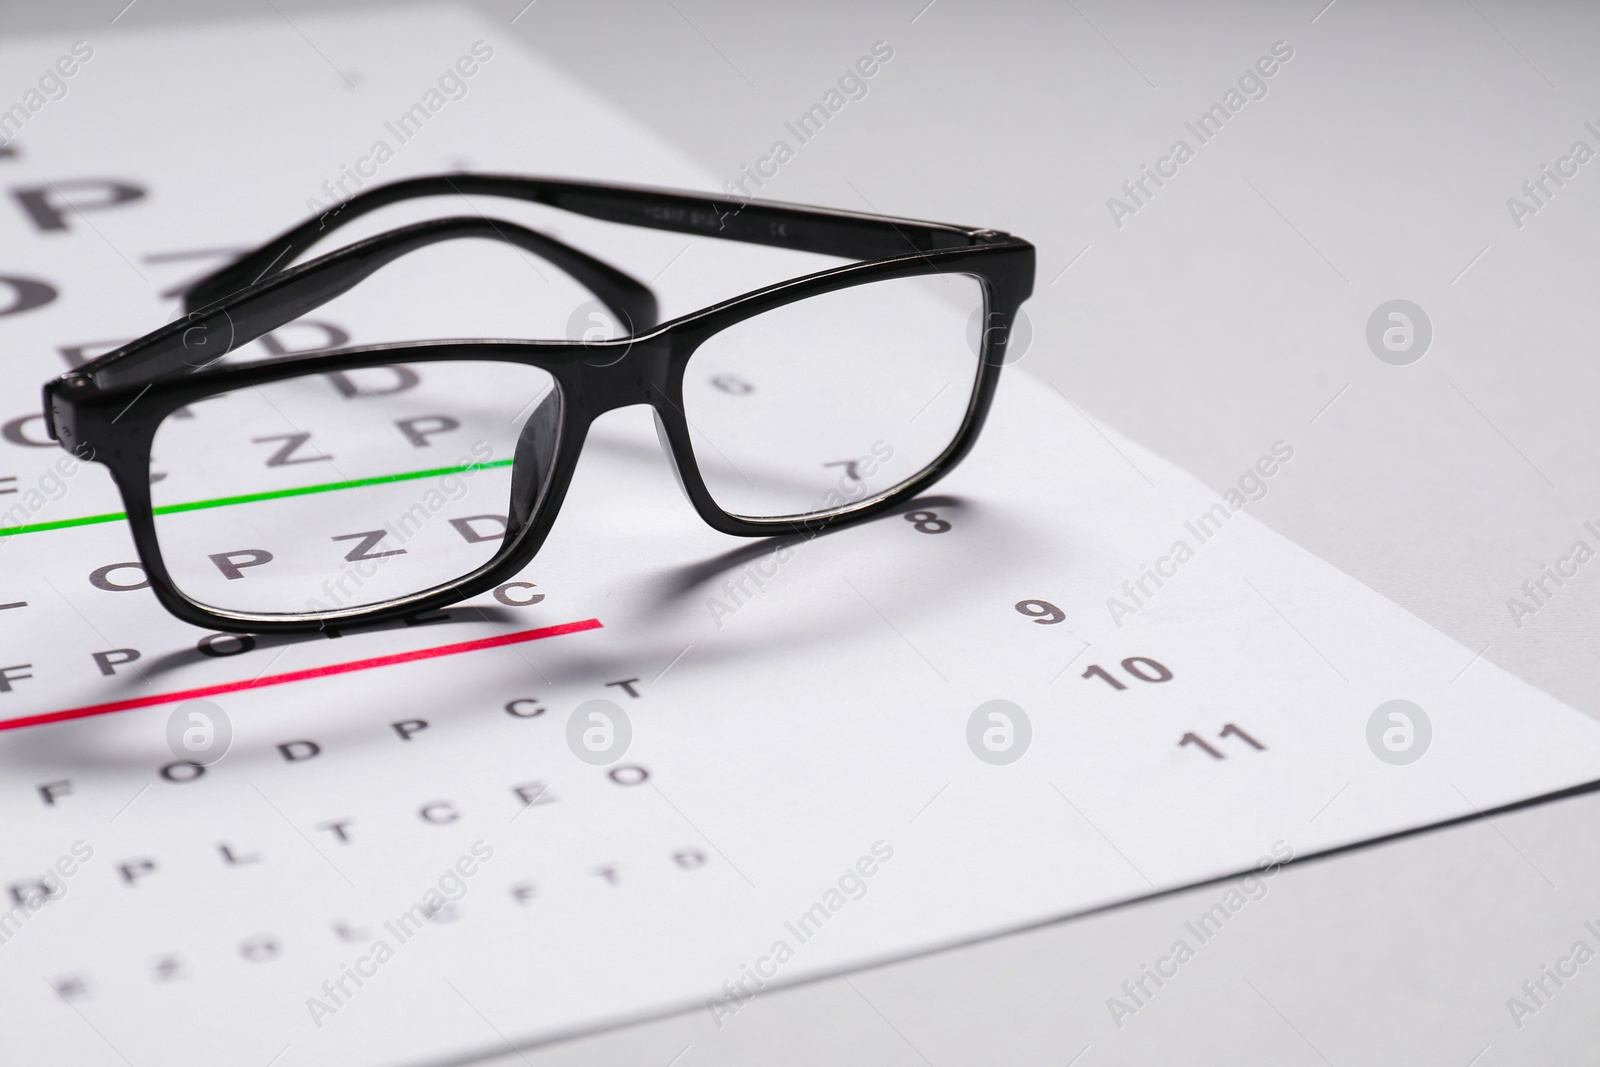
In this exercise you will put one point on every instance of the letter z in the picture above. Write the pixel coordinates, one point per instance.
(368, 540)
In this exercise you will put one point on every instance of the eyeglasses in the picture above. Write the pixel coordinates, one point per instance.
(435, 469)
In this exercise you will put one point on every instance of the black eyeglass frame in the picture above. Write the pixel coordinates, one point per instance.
(109, 409)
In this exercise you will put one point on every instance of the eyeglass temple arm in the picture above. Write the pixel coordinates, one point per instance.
(205, 336)
(848, 234)
(625, 295)
(837, 233)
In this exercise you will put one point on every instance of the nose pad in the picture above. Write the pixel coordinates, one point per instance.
(535, 457)
(672, 458)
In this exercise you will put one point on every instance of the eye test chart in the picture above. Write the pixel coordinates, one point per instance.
(663, 769)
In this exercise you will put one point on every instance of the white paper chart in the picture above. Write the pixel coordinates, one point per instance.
(402, 859)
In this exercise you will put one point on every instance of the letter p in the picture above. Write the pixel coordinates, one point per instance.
(232, 564)
(50, 206)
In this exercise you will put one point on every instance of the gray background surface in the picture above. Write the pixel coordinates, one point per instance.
(1227, 313)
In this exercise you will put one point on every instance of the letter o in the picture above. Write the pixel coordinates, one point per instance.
(100, 578)
(628, 774)
(26, 294)
(207, 645)
(182, 771)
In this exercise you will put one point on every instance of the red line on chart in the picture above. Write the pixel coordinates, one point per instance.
(300, 676)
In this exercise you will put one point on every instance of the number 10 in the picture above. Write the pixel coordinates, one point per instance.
(1141, 667)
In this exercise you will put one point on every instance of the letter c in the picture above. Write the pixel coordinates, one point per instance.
(13, 432)
(449, 813)
(503, 594)
(1163, 171)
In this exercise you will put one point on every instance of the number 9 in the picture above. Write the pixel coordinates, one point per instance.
(1041, 611)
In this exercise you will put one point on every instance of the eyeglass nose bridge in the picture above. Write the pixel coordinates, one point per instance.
(622, 373)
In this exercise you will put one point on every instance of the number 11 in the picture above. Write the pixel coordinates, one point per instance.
(1228, 730)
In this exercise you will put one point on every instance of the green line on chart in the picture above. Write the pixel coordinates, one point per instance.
(251, 498)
